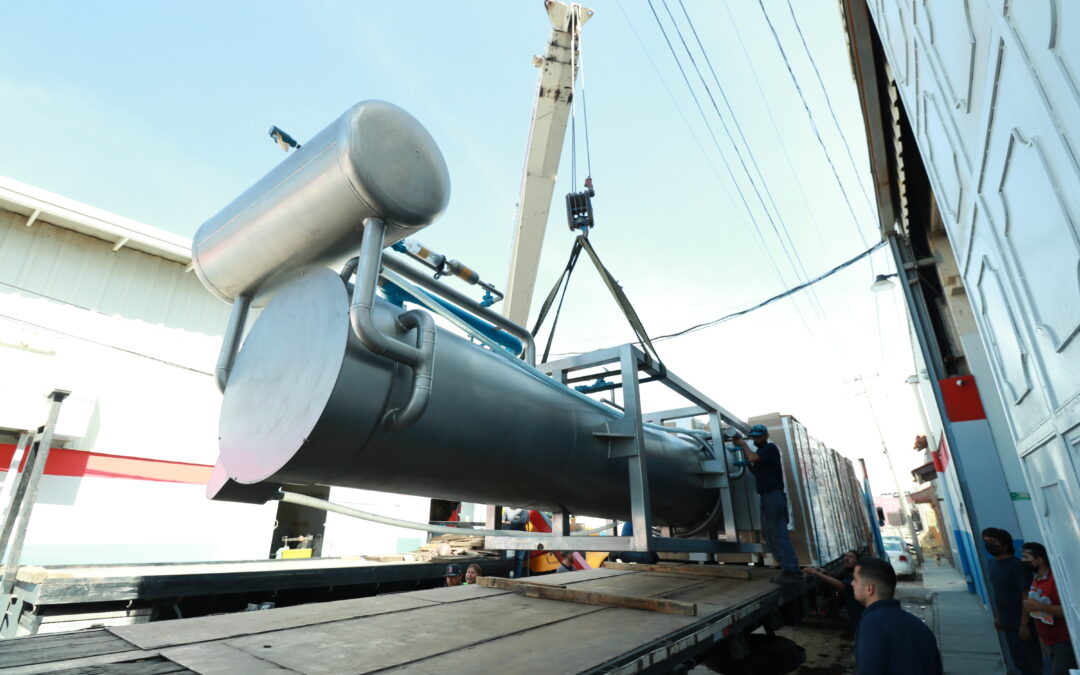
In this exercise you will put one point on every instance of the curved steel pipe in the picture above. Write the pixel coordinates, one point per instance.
(420, 357)
(230, 343)
(465, 302)
(399, 418)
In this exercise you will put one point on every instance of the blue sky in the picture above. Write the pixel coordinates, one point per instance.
(159, 112)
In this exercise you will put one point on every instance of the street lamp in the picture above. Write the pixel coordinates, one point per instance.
(882, 283)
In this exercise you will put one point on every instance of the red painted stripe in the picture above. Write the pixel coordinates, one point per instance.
(79, 463)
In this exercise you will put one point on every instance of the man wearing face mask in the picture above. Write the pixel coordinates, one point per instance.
(1043, 604)
(1009, 581)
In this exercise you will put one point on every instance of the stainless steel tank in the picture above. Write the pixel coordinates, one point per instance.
(305, 400)
(374, 160)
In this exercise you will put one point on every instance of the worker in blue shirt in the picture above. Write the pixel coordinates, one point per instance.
(890, 640)
(768, 472)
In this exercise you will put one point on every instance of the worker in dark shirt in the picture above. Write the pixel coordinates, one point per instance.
(843, 585)
(768, 472)
(890, 640)
(1009, 581)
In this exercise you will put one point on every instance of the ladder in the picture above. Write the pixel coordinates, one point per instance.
(20, 507)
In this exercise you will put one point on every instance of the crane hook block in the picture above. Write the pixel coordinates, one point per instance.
(579, 213)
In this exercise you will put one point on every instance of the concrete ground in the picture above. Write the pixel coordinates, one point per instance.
(964, 628)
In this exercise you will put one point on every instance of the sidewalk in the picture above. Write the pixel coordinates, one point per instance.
(964, 628)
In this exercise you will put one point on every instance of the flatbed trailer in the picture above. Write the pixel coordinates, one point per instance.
(70, 597)
(686, 610)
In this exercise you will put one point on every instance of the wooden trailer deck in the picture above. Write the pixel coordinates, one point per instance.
(461, 629)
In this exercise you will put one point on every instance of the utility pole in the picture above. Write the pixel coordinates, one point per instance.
(905, 513)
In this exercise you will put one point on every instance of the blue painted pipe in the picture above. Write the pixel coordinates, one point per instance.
(396, 295)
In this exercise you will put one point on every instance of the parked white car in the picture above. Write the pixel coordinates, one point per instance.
(900, 558)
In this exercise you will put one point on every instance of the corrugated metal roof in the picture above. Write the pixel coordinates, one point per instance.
(67, 266)
(38, 205)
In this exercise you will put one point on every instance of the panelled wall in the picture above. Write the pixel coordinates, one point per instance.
(992, 88)
(135, 339)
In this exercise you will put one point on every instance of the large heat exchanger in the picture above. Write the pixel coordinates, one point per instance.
(335, 386)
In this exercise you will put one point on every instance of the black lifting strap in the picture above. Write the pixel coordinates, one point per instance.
(624, 305)
(582, 242)
(546, 307)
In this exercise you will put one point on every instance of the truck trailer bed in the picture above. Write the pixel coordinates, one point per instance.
(460, 629)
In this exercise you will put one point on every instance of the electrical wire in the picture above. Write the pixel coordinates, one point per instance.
(724, 126)
(769, 301)
(781, 231)
(731, 174)
(764, 303)
(828, 103)
(682, 115)
(813, 124)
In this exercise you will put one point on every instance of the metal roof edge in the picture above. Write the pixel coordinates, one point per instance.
(69, 214)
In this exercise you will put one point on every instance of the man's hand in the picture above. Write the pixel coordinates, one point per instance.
(739, 441)
(1025, 632)
(1032, 605)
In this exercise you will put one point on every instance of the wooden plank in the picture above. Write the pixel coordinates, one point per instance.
(551, 592)
(716, 571)
(643, 584)
(52, 641)
(76, 649)
(455, 593)
(172, 633)
(512, 584)
(154, 666)
(50, 667)
(372, 643)
(219, 659)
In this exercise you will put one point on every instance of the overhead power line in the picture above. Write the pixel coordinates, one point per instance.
(769, 301)
(727, 165)
(813, 124)
(780, 229)
(828, 103)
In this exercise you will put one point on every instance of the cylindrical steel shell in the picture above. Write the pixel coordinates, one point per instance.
(374, 160)
(305, 400)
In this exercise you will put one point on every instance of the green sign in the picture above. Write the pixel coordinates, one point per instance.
(1020, 496)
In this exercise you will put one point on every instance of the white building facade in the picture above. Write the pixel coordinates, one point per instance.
(110, 310)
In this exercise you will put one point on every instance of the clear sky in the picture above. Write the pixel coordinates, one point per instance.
(159, 112)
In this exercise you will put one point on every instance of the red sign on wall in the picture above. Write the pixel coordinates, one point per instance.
(961, 398)
(941, 455)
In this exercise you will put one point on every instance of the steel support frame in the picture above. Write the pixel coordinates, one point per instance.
(904, 259)
(626, 439)
(20, 508)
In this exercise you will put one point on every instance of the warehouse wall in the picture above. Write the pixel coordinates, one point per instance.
(134, 338)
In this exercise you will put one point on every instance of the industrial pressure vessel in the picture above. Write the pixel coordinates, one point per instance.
(305, 401)
(374, 160)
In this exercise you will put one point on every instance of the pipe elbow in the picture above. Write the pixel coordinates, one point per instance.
(408, 414)
(363, 326)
